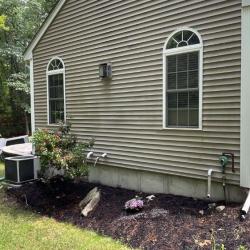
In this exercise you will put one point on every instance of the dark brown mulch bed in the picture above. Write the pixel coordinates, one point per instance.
(167, 222)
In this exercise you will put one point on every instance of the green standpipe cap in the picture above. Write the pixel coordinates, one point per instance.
(223, 160)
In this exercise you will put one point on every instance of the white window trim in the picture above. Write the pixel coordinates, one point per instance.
(32, 103)
(181, 50)
(55, 72)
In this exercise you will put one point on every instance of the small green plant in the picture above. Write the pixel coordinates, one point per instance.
(215, 246)
(242, 247)
(60, 149)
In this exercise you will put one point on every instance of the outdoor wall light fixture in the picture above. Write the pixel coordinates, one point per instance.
(105, 71)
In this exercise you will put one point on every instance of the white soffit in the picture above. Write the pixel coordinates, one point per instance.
(44, 27)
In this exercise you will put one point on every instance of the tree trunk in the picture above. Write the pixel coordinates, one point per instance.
(26, 123)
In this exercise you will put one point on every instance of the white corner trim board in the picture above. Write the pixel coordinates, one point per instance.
(32, 95)
(245, 3)
(40, 33)
(245, 100)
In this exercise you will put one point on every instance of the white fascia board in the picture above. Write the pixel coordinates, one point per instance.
(45, 25)
(245, 3)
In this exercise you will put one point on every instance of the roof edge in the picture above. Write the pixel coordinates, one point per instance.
(28, 52)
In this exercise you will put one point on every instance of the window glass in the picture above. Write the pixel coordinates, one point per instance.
(55, 64)
(183, 38)
(56, 98)
(183, 90)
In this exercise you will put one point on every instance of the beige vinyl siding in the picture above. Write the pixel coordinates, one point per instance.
(125, 115)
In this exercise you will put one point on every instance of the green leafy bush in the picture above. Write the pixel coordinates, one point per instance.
(60, 149)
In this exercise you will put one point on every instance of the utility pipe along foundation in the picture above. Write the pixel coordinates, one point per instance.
(104, 155)
(209, 175)
(224, 160)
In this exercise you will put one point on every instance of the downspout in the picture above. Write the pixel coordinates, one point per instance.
(245, 207)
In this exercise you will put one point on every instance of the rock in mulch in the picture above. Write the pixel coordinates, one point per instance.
(220, 208)
(90, 202)
(201, 212)
(211, 206)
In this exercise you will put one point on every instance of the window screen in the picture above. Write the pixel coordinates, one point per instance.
(56, 98)
(182, 90)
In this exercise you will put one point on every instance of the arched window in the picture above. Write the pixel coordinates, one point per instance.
(56, 91)
(182, 80)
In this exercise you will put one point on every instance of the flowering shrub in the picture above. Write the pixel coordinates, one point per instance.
(135, 204)
(59, 149)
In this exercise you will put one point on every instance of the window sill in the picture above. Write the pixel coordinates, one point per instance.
(188, 129)
(55, 124)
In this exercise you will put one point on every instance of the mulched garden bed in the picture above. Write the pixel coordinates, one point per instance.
(167, 222)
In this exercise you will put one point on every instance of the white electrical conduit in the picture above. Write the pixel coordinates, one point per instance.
(246, 206)
(209, 175)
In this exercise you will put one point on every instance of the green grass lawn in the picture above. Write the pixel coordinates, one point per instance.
(22, 229)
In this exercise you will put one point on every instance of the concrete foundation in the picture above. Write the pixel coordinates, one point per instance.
(153, 183)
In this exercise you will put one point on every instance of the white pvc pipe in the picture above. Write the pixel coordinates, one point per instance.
(209, 174)
(104, 155)
(97, 159)
(246, 205)
(90, 154)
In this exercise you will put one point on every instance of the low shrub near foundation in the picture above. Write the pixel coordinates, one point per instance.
(59, 149)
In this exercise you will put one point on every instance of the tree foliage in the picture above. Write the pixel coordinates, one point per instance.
(19, 21)
(2, 23)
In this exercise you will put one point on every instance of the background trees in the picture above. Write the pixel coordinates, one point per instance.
(19, 21)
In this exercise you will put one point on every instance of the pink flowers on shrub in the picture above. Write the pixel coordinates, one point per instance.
(135, 204)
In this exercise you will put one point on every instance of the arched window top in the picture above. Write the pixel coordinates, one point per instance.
(55, 63)
(182, 38)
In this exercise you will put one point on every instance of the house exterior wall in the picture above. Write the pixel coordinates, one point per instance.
(125, 115)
